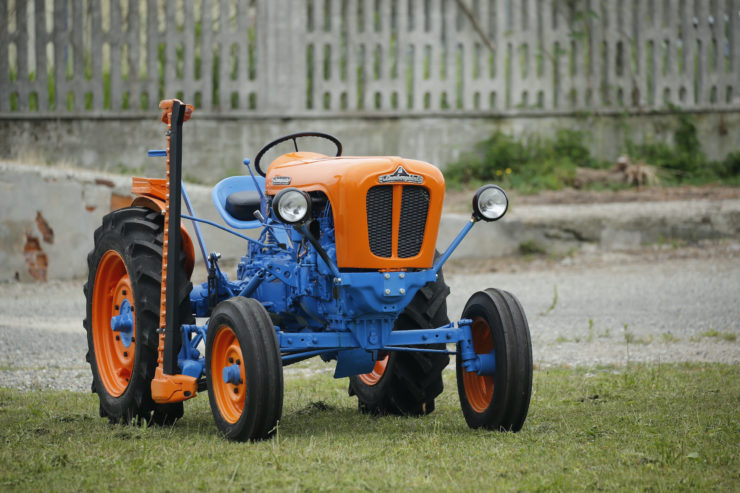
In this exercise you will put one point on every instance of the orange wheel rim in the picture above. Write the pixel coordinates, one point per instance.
(479, 389)
(115, 362)
(374, 376)
(226, 352)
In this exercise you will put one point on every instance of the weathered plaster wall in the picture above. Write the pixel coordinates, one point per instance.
(214, 149)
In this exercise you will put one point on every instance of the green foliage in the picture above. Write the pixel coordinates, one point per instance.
(531, 247)
(685, 158)
(532, 163)
(529, 164)
(729, 167)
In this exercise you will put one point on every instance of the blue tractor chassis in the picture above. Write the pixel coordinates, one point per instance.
(358, 324)
(354, 345)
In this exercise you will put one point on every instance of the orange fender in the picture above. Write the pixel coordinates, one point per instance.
(151, 193)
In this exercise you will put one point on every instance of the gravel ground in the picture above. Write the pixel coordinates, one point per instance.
(655, 305)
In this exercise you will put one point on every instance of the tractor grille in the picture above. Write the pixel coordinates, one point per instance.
(414, 208)
(380, 220)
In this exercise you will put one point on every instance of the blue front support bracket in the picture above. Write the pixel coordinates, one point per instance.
(455, 243)
(304, 344)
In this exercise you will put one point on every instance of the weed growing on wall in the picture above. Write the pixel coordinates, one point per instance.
(527, 164)
(533, 163)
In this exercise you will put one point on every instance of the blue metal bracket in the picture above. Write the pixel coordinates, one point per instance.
(216, 225)
(196, 227)
(254, 180)
(285, 275)
(231, 374)
(455, 243)
(482, 364)
(301, 345)
(123, 323)
(190, 361)
(298, 341)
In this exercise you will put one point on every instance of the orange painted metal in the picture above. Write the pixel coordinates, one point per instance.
(225, 352)
(345, 180)
(479, 389)
(168, 388)
(115, 362)
(152, 194)
(154, 187)
(374, 376)
(172, 388)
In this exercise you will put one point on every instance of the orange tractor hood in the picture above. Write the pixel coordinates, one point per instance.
(345, 180)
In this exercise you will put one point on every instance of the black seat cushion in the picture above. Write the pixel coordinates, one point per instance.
(241, 205)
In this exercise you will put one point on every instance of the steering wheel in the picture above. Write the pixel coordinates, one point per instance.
(293, 137)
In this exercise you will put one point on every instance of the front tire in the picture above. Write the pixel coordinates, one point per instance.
(242, 342)
(498, 402)
(406, 383)
(125, 268)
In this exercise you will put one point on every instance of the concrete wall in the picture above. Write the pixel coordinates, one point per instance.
(49, 216)
(213, 149)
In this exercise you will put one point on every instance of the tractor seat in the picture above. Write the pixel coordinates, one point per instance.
(242, 205)
(236, 198)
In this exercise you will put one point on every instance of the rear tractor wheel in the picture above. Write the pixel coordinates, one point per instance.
(499, 401)
(123, 293)
(406, 383)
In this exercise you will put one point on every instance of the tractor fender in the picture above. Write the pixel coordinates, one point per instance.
(150, 199)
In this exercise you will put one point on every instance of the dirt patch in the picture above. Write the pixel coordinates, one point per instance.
(460, 200)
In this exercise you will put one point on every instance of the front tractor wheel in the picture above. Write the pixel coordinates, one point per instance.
(499, 401)
(244, 370)
(122, 296)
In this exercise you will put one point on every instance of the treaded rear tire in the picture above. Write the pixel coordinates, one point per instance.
(411, 381)
(135, 234)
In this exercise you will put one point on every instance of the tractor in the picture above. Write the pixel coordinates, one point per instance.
(342, 265)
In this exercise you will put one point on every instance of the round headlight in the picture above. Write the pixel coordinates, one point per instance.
(291, 205)
(490, 203)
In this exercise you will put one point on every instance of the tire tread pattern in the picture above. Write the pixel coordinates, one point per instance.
(509, 405)
(411, 380)
(137, 234)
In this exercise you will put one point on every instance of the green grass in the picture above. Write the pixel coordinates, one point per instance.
(654, 428)
(716, 334)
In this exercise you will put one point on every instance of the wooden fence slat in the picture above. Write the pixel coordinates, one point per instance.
(96, 48)
(152, 54)
(79, 84)
(41, 37)
(114, 41)
(206, 56)
(22, 53)
(59, 34)
(132, 40)
(4, 62)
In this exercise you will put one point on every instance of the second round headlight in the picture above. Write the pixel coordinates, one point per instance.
(490, 203)
(291, 205)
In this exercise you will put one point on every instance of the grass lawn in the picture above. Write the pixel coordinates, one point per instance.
(667, 427)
